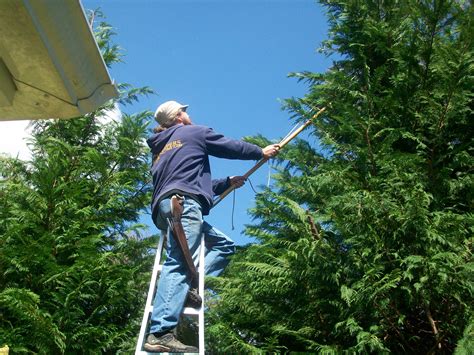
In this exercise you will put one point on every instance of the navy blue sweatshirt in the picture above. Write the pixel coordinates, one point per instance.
(181, 162)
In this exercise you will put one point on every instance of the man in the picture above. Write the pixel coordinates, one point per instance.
(181, 167)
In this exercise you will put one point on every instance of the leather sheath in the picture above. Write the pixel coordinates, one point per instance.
(180, 236)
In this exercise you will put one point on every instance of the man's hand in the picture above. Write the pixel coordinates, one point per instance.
(270, 151)
(237, 181)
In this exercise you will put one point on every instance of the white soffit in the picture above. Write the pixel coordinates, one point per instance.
(50, 64)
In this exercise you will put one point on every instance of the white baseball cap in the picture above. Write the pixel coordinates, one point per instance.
(166, 113)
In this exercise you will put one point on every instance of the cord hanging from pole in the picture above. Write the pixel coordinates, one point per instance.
(269, 174)
(255, 191)
(233, 210)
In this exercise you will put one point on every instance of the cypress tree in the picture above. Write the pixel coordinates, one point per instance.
(366, 243)
(73, 257)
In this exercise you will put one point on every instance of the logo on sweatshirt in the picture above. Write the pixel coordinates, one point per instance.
(171, 145)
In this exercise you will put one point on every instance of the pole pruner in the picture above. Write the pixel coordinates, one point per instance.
(284, 142)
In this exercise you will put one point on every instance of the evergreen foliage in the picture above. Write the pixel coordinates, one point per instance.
(366, 245)
(74, 264)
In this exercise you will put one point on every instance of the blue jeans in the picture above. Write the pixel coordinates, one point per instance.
(174, 281)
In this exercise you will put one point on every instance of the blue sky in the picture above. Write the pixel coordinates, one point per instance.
(229, 61)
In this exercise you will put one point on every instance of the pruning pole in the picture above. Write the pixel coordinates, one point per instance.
(284, 142)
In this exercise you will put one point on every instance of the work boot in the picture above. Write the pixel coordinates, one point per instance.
(193, 299)
(167, 343)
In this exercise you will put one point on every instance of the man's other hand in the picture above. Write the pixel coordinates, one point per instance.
(237, 181)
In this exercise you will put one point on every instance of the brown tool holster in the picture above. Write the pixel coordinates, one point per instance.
(178, 233)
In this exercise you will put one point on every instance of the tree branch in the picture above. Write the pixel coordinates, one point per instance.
(314, 230)
(433, 327)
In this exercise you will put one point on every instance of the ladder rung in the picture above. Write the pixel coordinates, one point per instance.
(143, 352)
(189, 311)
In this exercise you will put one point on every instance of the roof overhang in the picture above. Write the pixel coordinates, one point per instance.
(50, 64)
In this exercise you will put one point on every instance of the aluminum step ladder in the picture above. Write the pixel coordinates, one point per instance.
(188, 311)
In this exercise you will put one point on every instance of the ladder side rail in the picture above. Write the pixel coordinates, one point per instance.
(151, 293)
(202, 256)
